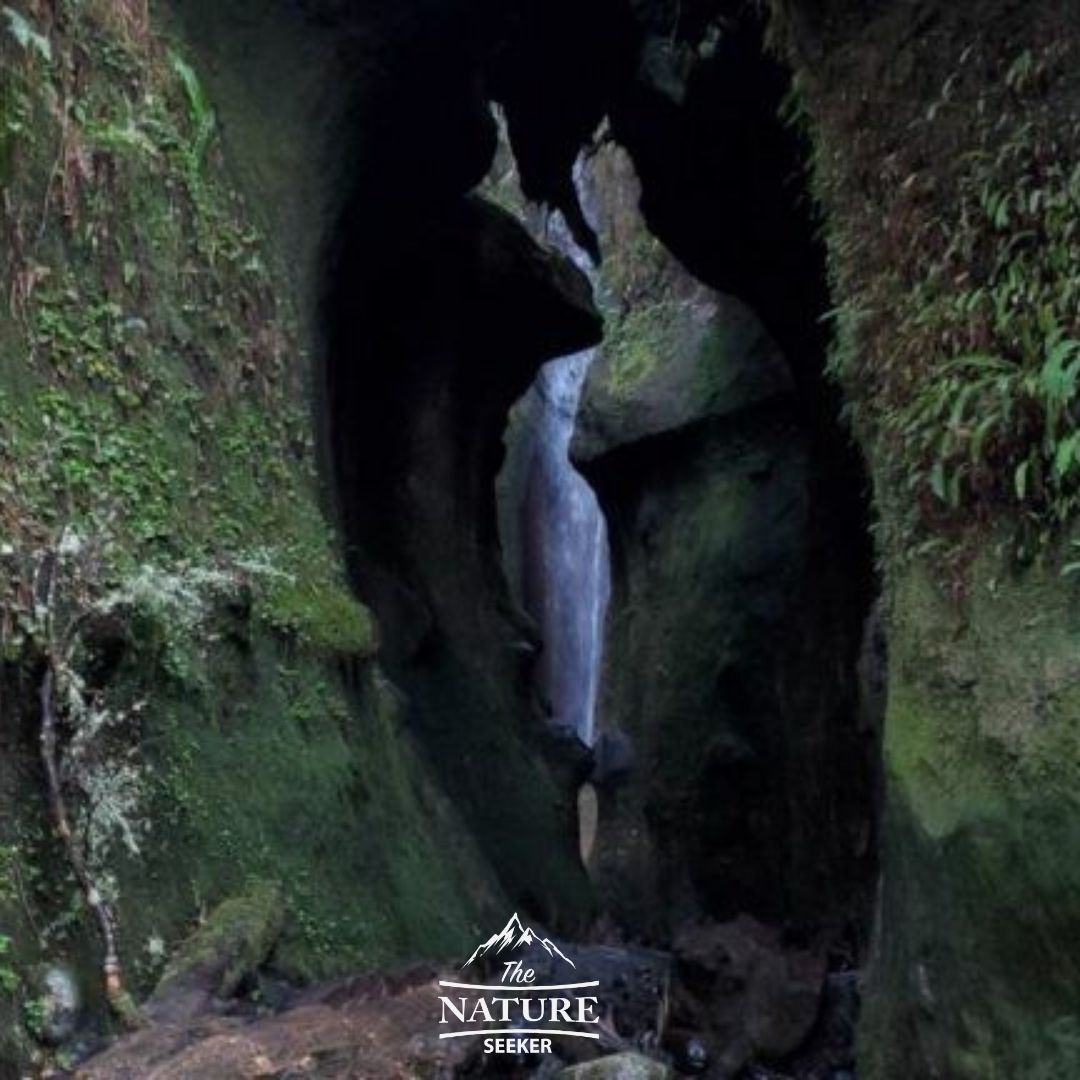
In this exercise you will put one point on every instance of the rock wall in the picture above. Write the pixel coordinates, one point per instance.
(730, 688)
(430, 311)
(945, 185)
(226, 715)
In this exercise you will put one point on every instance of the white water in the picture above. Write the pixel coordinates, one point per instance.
(569, 538)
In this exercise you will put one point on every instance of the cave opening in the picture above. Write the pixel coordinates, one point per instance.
(734, 770)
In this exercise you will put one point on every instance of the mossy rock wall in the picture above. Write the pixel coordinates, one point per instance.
(938, 184)
(975, 971)
(157, 426)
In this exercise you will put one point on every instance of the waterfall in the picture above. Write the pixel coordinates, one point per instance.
(565, 535)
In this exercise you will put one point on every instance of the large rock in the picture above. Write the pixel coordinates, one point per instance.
(753, 997)
(634, 987)
(740, 585)
(235, 940)
(684, 374)
(360, 1029)
(58, 999)
(676, 352)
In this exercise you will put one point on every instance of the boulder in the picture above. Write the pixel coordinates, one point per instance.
(235, 939)
(753, 997)
(58, 1002)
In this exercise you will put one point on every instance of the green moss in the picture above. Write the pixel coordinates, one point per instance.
(972, 976)
(163, 379)
(968, 684)
(273, 771)
(236, 938)
(936, 759)
(637, 266)
(637, 343)
(320, 615)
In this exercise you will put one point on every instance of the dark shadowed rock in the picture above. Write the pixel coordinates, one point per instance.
(441, 321)
(752, 996)
(740, 582)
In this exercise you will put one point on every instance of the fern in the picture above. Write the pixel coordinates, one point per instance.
(987, 419)
(26, 36)
(200, 115)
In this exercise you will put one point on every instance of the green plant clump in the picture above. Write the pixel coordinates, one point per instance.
(955, 262)
(638, 341)
(999, 422)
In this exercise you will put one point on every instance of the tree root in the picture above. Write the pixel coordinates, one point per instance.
(120, 1001)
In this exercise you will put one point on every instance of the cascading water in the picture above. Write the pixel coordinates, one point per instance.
(566, 573)
(569, 553)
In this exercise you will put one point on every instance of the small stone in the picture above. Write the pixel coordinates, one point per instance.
(693, 1057)
(55, 1010)
(626, 1066)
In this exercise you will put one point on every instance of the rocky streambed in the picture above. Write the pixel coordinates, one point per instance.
(731, 1000)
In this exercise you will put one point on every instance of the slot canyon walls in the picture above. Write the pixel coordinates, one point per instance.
(183, 364)
(743, 577)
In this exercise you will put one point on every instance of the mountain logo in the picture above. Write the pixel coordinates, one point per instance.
(515, 935)
(519, 1014)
